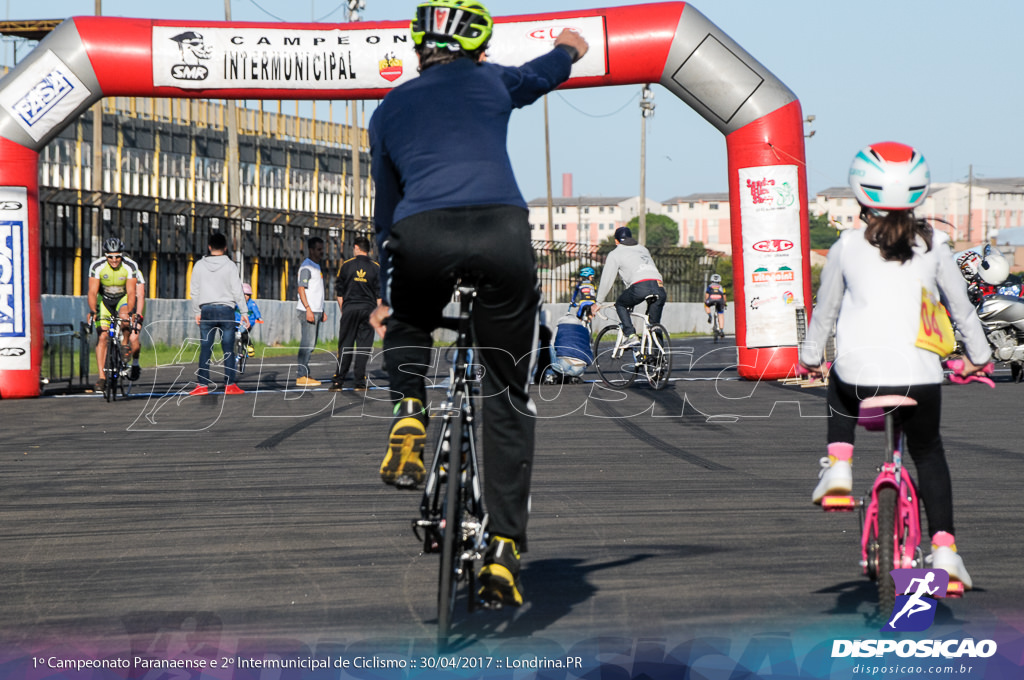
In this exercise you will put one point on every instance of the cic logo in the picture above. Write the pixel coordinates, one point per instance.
(916, 590)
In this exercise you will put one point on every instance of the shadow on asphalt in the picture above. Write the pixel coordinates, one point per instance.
(553, 588)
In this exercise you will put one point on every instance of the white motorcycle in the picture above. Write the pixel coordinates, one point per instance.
(997, 297)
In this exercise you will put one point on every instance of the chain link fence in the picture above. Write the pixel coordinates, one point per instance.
(683, 270)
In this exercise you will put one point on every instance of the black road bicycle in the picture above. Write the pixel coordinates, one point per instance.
(452, 519)
(117, 366)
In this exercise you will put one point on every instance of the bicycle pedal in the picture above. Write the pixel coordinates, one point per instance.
(406, 482)
(838, 503)
(955, 589)
(492, 605)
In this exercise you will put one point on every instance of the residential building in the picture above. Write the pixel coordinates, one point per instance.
(969, 212)
(703, 217)
(585, 219)
(589, 219)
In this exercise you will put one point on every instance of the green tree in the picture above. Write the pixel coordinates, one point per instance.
(661, 230)
(823, 232)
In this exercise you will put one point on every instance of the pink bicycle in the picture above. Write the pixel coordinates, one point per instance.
(890, 513)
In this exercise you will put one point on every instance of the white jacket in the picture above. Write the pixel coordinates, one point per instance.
(875, 306)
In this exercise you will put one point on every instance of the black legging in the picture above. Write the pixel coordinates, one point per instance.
(428, 250)
(636, 294)
(924, 443)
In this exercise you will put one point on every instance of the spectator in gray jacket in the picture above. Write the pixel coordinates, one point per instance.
(216, 290)
(634, 263)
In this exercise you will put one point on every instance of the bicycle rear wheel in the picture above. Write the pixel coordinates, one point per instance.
(886, 550)
(617, 372)
(241, 355)
(659, 357)
(451, 533)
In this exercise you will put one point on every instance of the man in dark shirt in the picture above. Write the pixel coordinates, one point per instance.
(358, 291)
(447, 205)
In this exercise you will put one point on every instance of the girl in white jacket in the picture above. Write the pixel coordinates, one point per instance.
(871, 292)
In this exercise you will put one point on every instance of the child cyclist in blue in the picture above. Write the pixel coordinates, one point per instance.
(585, 293)
(573, 352)
(254, 316)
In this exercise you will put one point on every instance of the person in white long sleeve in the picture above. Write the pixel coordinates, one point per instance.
(634, 263)
(871, 291)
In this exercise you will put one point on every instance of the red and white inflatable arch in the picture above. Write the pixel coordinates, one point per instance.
(87, 58)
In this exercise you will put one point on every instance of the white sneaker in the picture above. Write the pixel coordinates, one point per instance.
(632, 340)
(836, 479)
(947, 558)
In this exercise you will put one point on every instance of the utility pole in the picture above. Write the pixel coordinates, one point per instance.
(234, 212)
(646, 111)
(357, 178)
(970, 195)
(97, 163)
(547, 160)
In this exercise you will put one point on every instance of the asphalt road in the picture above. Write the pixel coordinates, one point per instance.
(673, 515)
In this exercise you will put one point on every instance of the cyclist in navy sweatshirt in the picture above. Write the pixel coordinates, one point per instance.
(447, 205)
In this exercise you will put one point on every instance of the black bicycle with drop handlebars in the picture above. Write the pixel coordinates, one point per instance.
(117, 366)
(453, 521)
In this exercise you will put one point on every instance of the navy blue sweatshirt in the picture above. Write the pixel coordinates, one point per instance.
(439, 141)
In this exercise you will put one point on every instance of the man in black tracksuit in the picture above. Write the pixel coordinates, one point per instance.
(357, 288)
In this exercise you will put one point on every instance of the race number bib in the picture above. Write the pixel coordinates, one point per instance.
(935, 333)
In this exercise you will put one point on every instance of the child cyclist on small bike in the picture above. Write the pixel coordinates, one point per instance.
(871, 290)
(254, 316)
(714, 297)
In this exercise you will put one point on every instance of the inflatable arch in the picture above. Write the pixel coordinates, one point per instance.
(671, 43)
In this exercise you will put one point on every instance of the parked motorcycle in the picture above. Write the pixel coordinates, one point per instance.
(997, 298)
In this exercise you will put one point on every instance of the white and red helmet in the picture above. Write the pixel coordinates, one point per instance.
(889, 176)
(969, 262)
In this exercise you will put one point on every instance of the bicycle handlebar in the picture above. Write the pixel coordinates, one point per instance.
(956, 365)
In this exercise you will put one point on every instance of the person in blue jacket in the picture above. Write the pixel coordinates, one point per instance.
(448, 206)
(254, 316)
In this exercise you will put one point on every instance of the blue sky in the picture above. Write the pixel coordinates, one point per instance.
(942, 76)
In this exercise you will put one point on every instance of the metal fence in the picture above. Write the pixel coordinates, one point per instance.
(683, 270)
(65, 355)
(166, 239)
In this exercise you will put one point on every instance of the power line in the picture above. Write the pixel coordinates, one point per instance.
(340, 5)
(593, 115)
(264, 10)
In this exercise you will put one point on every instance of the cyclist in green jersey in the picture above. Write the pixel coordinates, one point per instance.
(112, 284)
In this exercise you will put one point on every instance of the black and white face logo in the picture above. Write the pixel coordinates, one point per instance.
(10, 205)
(193, 50)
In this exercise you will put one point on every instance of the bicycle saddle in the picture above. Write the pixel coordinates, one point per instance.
(886, 401)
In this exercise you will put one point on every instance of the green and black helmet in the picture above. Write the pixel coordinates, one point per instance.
(465, 23)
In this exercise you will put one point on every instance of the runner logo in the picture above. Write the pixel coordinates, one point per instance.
(915, 592)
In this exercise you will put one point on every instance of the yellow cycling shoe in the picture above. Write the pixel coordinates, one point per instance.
(499, 577)
(403, 462)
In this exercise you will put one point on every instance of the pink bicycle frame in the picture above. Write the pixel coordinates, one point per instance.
(908, 518)
(907, 534)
